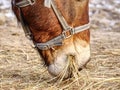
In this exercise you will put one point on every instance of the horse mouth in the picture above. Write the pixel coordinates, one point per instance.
(69, 70)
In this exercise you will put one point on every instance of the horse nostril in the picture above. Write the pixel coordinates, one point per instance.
(79, 69)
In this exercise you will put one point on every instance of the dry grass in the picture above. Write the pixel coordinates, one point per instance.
(21, 69)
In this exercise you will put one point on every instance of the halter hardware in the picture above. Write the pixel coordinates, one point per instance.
(68, 33)
(25, 3)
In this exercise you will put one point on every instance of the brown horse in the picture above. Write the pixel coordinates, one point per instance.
(45, 26)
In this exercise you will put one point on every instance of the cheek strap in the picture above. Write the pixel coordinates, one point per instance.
(47, 3)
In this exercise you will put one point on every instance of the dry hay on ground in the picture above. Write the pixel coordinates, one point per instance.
(21, 68)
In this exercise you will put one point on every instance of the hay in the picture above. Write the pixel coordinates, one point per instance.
(21, 68)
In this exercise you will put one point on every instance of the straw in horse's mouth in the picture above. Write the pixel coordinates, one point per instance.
(70, 71)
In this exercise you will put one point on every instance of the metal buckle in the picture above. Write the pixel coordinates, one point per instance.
(45, 47)
(31, 2)
(42, 47)
(25, 3)
(68, 33)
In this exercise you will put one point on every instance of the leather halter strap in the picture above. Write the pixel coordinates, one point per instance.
(25, 3)
(57, 41)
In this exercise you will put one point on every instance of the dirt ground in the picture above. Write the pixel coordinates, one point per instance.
(21, 68)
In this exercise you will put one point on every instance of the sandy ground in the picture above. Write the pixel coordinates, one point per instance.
(21, 68)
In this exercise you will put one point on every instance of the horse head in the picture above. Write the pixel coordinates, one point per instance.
(59, 48)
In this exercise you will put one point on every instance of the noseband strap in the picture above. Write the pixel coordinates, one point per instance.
(68, 31)
(57, 41)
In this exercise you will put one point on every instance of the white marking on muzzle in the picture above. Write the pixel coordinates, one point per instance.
(58, 66)
(82, 55)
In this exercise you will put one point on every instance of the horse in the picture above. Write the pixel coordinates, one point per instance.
(59, 30)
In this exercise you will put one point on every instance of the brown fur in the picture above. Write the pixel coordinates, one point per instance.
(45, 25)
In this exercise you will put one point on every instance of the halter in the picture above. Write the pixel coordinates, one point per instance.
(68, 31)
